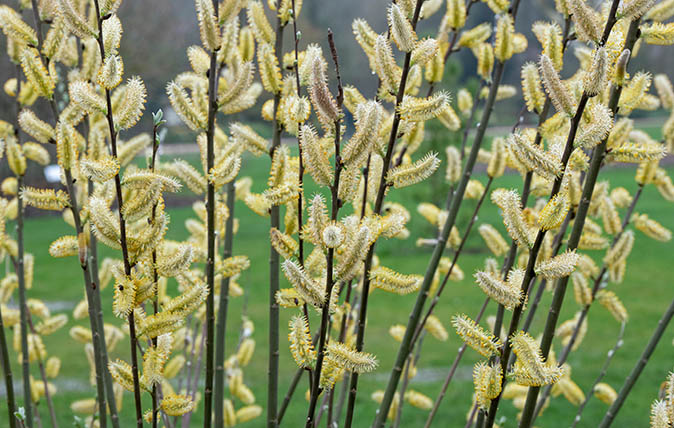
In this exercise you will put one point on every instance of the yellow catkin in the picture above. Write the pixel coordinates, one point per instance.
(475, 336)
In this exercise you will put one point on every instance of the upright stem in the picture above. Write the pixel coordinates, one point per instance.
(122, 226)
(600, 376)
(274, 264)
(25, 365)
(329, 281)
(638, 368)
(423, 294)
(7, 369)
(222, 311)
(578, 224)
(43, 376)
(210, 261)
(155, 274)
(360, 337)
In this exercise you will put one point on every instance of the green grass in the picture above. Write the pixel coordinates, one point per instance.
(646, 291)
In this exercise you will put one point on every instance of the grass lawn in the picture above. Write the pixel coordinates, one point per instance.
(646, 291)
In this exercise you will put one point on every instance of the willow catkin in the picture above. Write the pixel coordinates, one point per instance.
(401, 29)
(413, 109)
(36, 73)
(558, 266)
(558, 92)
(484, 52)
(495, 242)
(530, 368)
(533, 157)
(350, 359)
(531, 88)
(45, 199)
(503, 41)
(301, 345)
(497, 161)
(509, 203)
(36, 128)
(505, 293)
(612, 303)
(475, 336)
(388, 71)
(321, 98)
(487, 382)
(310, 290)
(368, 123)
(407, 175)
(132, 104)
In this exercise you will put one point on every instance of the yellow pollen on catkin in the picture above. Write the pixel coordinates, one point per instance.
(475, 336)
(45, 199)
(350, 359)
(407, 175)
(301, 345)
(505, 293)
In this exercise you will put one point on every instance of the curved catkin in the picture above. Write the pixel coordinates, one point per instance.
(355, 250)
(269, 68)
(435, 328)
(16, 28)
(485, 60)
(533, 157)
(301, 346)
(401, 29)
(414, 109)
(284, 244)
(368, 123)
(495, 242)
(503, 41)
(553, 213)
(509, 202)
(309, 289)
(475, 36)
(184, 107)
(35, 127)
(36, 73)
(594, 132)
(36, 152)
(111, 71)
(350, 359)
(652, 228)
(244, 134)
(257, 20)
(394, 282)
(497, 162)
(559, 266)
(453, 171)
(587, 22)
(64, 246)
(612, 303)
(558, 92)
(323, 101)
(531, 87)
(505, 293)
(636, 153)
(45, 199)
(177, 405)
(665, 91)
(407, 175)
(208, 25)
(605, 393)
(596, 77)
(475, 336)
(487, 380)
(131, 106)
(530, 368)
(581, 290)
(85, 97)
(385, 66)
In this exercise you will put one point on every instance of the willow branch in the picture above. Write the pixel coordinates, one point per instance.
(579, 222)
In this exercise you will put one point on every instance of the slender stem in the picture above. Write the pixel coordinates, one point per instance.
(383, 185)
(274, 264)
(423, 294)
(600, 376)
(638, 368)
(43, 376)
(452, 370)
(25, 365)
(210, 261)
(222, 311)
(155, 276)
(122, 226)
(583, 314)
(329, 281)
(578, 224)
